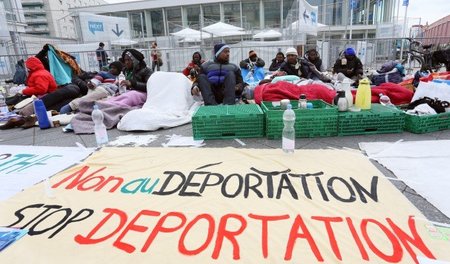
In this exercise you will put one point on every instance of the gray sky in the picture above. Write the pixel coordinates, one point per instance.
(427, 10)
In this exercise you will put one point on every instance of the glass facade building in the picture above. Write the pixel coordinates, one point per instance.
(161, 18)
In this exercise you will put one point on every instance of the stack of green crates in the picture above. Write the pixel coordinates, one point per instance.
(320, 121)
(378, 120)
(228, 121)
(427, 123)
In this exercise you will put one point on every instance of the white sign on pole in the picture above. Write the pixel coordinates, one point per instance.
(307, 17)
(361, 50)
(95, 28)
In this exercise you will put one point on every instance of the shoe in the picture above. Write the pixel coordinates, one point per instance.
(13, 122)
(30, 121)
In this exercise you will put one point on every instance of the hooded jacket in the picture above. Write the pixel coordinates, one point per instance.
(39, 81)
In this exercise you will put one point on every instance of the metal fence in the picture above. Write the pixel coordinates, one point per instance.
(372, 52)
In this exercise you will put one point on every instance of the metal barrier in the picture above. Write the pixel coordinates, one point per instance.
(372, 52)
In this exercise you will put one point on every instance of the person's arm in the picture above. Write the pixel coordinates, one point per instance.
(243, 64)
(359, 67)
(337, 68)
(260, 62)
(239, 81)
(141, 83)
(273, 66)
(187, 70)
(40, 87)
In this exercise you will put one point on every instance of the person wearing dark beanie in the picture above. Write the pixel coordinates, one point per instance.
(349, 65)
(219, 80)
(136, 70)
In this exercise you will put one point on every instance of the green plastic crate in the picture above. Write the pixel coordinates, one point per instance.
(427, 123)
(321, 121)
(228, 121)
(379, 119)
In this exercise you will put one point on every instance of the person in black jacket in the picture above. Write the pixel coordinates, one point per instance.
(252, 61)
(292, 65)
(349, 65)
(312, 67)
(277, 62)
(136, 70)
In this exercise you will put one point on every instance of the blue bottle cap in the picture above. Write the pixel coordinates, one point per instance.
(309, 105)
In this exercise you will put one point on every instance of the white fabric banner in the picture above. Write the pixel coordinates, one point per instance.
(24, 166)
(422, 165)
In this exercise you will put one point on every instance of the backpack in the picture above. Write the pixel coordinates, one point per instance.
(20, 76)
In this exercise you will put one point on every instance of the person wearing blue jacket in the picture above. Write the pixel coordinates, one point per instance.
(219, 80)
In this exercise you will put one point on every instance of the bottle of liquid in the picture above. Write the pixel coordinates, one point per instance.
(41, 113)
(302, 102)
(346, 86)
(341, 101)
(101, 136)
(385, 100)
(122, 88)
(288, 137)
(3, 106)
(363, 95)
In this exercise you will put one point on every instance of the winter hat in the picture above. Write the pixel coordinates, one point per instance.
(252, 53)
(117, 64)
(350, 51)
(291, 51)
(218, 48)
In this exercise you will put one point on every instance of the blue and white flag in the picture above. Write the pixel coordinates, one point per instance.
(353, 4)
(405, 2)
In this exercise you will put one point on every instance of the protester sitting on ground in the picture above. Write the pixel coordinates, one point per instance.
(252, 62)
(219, 81)
(292, 65)
(193, 68)
(137, 74)
(104, 84)
(349, 65)
(312, 67)
(39, 82)
(277, 62)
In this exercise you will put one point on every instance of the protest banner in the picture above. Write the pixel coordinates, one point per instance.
(165, 205)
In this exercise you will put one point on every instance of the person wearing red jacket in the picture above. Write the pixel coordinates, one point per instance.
(193, 68)
(39, 81)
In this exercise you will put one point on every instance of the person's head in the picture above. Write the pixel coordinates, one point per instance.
(222, 52)
(312, 54)
(154, 44)
(279, 56)
(132, 58)
(196, 57)
(115, 67)
(101, 44)
(350, 53)
(33, 64)
(252, 55)
(291, 55)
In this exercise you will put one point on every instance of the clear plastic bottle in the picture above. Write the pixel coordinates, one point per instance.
(302, 102)
(101, 136)
(3, 106)
(122, 88)
(288, 137)
(385, 100)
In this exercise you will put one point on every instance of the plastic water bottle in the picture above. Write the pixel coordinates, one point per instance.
(288, 140)
(385, 100)
(101, 136)
(3, 106)
(122, 88)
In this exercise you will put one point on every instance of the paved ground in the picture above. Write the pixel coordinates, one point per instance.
(55, 137)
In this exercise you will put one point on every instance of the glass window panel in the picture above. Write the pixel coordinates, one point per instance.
(137, 28)
(333, 12)
(193, 16)
(272, 13)
(156, 17)
(232, 13)
(250, 14)
(211, 14)
(287, 5)
(173, 16)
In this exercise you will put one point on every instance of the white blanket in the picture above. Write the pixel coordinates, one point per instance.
(422, 165)
(169, 104)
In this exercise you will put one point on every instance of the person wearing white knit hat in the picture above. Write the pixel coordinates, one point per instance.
(292, 65)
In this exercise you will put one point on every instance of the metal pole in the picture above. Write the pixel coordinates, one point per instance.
(404, 31)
